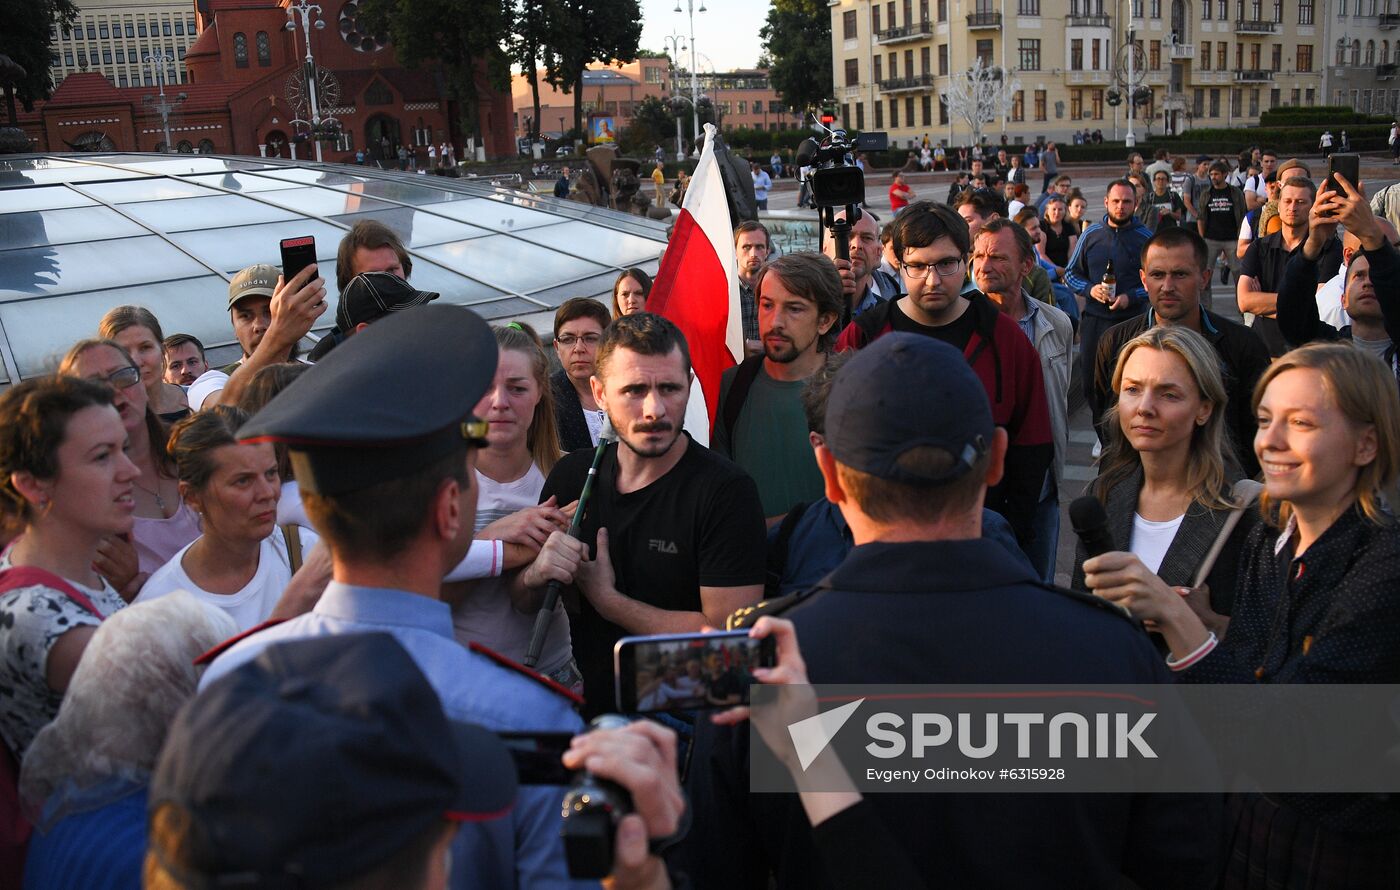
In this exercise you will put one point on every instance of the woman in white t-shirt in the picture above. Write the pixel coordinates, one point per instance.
(511, 471)
(240, 563)
(1168, 473)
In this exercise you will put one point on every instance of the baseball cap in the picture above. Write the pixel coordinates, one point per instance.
(1201, 159)
(901, 392)
(320, 760)
(1291, 164)
(254, 281)
(372, 295)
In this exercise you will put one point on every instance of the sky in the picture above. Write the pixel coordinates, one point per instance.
(726, 34)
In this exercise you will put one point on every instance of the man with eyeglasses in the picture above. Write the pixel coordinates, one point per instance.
(578, 328)
(932, 243)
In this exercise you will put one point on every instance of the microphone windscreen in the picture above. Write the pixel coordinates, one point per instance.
(807, 151)
(1090, 523)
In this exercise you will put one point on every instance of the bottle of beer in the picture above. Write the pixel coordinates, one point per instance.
(1110, 281)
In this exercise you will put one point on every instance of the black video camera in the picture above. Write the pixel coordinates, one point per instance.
(592, 808)
(835, 181)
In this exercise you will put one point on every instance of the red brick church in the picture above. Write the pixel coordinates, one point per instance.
(245, 90)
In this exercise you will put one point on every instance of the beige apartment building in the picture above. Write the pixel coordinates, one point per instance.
(1206, 63)
(113, 37)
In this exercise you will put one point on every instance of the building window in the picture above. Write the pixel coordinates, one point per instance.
(1311, 95)
(894, 65)
(943, 59)
(1305, 57)
(874, 19)
(240, 50)
(879, 114)
(1355, 54)
(926, 103)
(121, 56)
(82, 58)
(147, 79)
(1222, 56)
(879, 69)
(1029, 51)
(1222, 9)
(1205, 56)
(1239, 57)
(1098, 54)
(1278, 11)
(1040, 105)
(848, 25)
(264, 50)
(1236, 102)
(743, 106)
(1198, 102)
(141, 28)
(923, 16)
(1254, 57)
(102, 29)
(1205, 13)
(165, 27)
(1155, 9)
(852, 72)
(106, 57)
(1028, 7)
(122, 81)
(1154, 56)
(894, 114)
(1370, 52)
(1096, 100)
(1215, 103)
(925, 57)
(189, 25)
(984, 52)
(130, 30)
(860, 115)
(1276, 64)
(1385, 52)
(1076, 104)
(91, 31)
(1254, 103)
(179, 28)
(943, 17)
(1137, 9)
(1018, 106)
(909, 110)
(68, 57)
(1076, 54)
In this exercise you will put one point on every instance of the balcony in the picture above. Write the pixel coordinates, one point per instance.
(1181, 52)
(984, 21)
(1086, 21)
(1386, 72)
(1389, 21)
(1253, 76)
(906, 33)
(1255, 27)
(1088, 77)
(918, 83)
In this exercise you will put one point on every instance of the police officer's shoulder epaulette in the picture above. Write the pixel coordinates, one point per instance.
(228, 644)
(743, 619)
(548, 683)
(1090, 599)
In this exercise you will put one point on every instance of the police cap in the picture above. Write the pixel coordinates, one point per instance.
(388, 401)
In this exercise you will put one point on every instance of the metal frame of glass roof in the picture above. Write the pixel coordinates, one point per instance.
(80, 233)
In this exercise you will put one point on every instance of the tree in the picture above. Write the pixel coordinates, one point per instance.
(980, 95)
(585, 31)
(797, 38)
(529, 33)
(25, 39)
(463, 37)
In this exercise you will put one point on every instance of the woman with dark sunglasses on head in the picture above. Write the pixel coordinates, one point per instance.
(164, 523)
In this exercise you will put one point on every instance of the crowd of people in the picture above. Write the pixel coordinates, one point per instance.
(297, 592)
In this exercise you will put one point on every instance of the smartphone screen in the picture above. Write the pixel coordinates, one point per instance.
(297, 254)
(685, 672)
(1349, 165)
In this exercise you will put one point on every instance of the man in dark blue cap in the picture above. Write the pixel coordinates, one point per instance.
(385, 467)
(910, 451)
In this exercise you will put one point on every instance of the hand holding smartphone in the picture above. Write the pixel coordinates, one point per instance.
(699, 671)
(1348, 165)
(297, 254)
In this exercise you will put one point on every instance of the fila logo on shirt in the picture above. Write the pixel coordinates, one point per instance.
(657, 545)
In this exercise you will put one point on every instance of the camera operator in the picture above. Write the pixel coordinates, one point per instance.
(863, 282)
(910, 450)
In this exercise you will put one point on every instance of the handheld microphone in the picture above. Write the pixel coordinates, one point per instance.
(1090, 523)
(551, 595)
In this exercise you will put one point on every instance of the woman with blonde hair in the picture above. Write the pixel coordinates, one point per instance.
(135, 329)
(1318, 602)
(1167, 479)
(164, 523)
(523, 447)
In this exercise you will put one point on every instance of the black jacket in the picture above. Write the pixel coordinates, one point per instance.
(1298, 318)
(1243, 359)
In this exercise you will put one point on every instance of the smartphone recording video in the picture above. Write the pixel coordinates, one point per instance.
(688, 672)
(1348, 165)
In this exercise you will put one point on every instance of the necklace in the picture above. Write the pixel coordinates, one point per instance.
(160, 501)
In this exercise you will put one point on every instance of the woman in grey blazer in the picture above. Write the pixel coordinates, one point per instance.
(1168, 480)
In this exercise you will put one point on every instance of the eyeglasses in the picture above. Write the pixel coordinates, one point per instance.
(946, 268)
(122, 378)
(568, 341)
(474, 431)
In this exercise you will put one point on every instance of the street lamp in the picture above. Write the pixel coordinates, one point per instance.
(160, 62)
(694, 82)
(305, 10)
(676, 42)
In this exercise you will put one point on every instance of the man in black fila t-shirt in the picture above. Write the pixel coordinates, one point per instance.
(678, 531)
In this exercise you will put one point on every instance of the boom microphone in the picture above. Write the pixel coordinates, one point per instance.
(1090, 523)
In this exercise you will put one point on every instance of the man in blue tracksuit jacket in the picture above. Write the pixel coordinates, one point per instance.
(1118, 237)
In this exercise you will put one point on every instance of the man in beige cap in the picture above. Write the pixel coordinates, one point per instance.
(269, 319)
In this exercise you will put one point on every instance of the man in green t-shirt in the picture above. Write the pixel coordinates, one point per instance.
(760, 424)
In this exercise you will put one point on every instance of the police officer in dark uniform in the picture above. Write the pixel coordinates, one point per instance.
(386, 469)
(909, 454)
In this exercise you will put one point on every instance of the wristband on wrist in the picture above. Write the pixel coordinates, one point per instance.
(1200, 652)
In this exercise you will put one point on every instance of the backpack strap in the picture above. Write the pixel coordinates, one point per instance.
(1245, 492)
(744, 377)
(16, 577)
(292, 533)
(778, 551)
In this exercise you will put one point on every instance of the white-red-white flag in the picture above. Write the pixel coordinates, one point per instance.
(697, 286)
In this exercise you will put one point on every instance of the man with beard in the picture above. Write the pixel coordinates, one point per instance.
(761, 425)
(184, 359)
(863, 282)
(672, 536)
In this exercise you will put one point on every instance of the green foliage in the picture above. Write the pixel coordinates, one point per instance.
(527, 43)
(797, 38)
(652, 124)
(24, 37)
(1321, 115)
(459, 35)
(584, 31)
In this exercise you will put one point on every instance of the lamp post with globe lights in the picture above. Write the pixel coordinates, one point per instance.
(160, 62)
(304, 10)
(694, 82)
